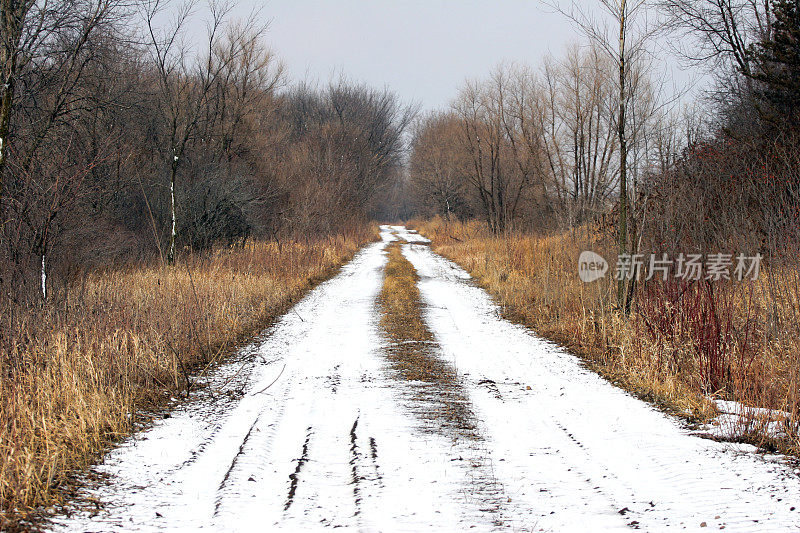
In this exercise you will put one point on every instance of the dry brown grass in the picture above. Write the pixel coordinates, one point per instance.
(442, 401)
(662, 352)
(400, 300)
(73, 375)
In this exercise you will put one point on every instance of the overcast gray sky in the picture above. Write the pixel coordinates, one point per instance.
(421, 49)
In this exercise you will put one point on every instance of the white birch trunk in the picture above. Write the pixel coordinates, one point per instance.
(44, 279)
(171, 255)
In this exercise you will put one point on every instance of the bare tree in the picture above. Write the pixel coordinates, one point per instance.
(38, 38)
(623, 33)
(342, 154)
(501, 169)
(719, 31)
(437, 166)
(578, 131)
(45, 198)
(187, 81)
(13, 15)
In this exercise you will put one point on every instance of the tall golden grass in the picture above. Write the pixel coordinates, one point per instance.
(680, 346)
(75, 372)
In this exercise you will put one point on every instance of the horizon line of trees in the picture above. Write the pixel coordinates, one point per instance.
(529, 147)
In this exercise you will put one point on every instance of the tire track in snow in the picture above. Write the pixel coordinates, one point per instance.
(373, 454)
(295, 476)
(227, 475)
(354, 461)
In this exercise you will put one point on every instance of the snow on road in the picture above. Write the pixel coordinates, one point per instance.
(310, 428)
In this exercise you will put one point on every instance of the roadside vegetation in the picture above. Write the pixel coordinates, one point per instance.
(165, 191)
(532, 165)
(682, 346)
(75, 377)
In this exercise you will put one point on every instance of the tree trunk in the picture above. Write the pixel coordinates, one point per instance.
(173, 232)
(6, 100)
(623, 285)
(12, 18)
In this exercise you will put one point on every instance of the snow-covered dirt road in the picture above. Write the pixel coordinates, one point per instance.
(311, 428)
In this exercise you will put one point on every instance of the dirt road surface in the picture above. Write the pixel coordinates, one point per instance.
(311, 428)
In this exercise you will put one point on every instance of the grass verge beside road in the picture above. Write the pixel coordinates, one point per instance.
(75, 372)
(745, 335)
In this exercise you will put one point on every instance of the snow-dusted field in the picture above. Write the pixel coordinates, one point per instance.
(310, 428)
